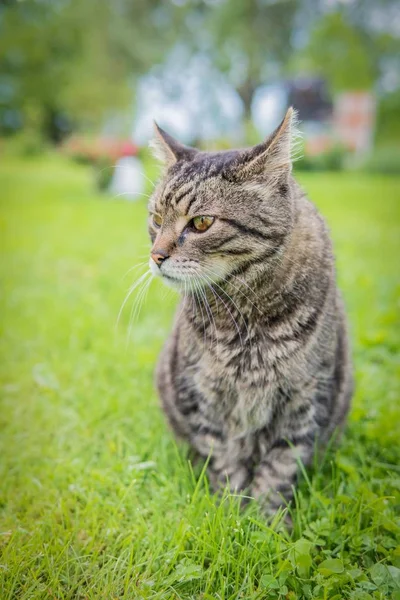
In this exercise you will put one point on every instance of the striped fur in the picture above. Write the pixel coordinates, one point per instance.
(257, 367)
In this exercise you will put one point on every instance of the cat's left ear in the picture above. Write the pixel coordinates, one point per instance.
(168, 150)
(273, 157)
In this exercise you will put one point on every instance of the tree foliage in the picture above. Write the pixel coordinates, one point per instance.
(78, 58)
(350, 53)
(74, 62)
(251, 41)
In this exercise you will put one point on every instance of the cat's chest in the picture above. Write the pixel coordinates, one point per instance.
(245, 361)
(238, 396)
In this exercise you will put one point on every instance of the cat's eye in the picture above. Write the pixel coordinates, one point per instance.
(202, 223)
(157, 220)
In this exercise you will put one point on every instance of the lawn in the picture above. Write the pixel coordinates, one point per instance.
(97, 501)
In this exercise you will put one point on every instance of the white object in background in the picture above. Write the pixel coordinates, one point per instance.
(128, 180)
(268, 107)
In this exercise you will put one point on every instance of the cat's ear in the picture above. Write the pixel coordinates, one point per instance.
(168, 150)
(273, 157)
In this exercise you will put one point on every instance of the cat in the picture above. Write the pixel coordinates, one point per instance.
(257, 368)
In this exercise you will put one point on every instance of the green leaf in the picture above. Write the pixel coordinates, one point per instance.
(186, 571)
(395, 576)
(355, 573)
(269, 581)
(385, 575)
(331, 566)
(300, 556)
(379, 574)
(304, 561)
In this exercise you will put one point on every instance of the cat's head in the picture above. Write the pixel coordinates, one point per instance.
(218, 213)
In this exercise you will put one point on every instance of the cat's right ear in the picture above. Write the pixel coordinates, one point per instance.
(168, 150)
(272, 158)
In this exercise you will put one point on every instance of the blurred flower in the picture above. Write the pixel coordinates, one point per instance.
(93, 150)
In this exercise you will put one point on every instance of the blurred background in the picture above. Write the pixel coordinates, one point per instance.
(96, 501)
(88, 77)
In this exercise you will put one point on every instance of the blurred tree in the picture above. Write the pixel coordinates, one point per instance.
(256, 41)
(250, 41)
(338, 50)
(388, 122)
(347, 55)
(68, 62)
(350, 44)
(32, 62)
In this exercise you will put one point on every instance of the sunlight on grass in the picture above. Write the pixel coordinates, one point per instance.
(97, 501)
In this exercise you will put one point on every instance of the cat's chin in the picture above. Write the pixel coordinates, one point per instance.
(177, 284)
(180, 284)
(174, 280)
(185, 280)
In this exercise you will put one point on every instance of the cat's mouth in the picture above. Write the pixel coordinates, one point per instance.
(170, 278)
(181, 282)
(188, 276)
(180, 278)
(176, 278)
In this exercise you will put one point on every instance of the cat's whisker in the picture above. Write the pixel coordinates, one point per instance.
(149, 180)
(227, 308)
(235, 277)
(141, 173)
(229, 297)
(202, 316)
(216, 305)
(144, 297)
(130, 292)
(136, 302)
(137, 266)
(223, 279)
(184, 299)
(137, 305)
(166, 292)
(240, 312)
(208, 309)
(114, 196)
(124, 167)
(246, 285)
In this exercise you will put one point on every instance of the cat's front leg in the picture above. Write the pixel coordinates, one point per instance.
(230, 461)
(227, 470)
(276, 473)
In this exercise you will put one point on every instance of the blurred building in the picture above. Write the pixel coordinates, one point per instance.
(191, 99)
(196, 103)
(346, 120)
(354, 120)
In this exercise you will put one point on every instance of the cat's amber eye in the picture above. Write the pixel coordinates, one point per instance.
(157, 220)
(202, 223)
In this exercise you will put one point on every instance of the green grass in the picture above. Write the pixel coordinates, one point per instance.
(97, 500)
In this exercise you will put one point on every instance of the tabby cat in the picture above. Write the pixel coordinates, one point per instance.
(257, 368)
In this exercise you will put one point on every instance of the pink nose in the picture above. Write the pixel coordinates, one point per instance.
(159, 256)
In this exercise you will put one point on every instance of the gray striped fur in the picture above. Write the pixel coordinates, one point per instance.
(257, 368)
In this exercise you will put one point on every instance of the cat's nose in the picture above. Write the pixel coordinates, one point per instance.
(159, 256)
